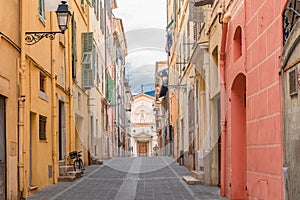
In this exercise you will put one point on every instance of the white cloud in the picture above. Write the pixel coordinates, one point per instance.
(144, 25)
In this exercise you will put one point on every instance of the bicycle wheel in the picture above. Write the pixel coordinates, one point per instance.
(81, 165)
(77, 165)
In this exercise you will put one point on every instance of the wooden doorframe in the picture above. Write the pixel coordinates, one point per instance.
(3, 148)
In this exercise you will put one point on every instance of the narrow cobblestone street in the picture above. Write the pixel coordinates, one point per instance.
(139, 178)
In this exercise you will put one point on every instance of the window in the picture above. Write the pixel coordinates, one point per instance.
(290, 18)
(195, 32)
(87, 58)
(79, 100)
(42, 82)
(42, 10)
(237, 44)
(196, 14)
(97, 9)
(293, 82)
(102, 25)
(42, 127)
(62, 75)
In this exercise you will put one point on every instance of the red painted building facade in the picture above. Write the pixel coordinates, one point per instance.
(251, 100)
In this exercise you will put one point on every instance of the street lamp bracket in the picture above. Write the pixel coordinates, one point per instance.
(63, 15)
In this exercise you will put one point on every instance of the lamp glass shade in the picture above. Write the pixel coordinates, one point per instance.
(154, 111)
(63, 16)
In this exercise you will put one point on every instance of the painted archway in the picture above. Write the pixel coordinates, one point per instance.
(238, 138)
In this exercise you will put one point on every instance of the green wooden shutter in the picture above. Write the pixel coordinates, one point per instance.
(97, 9)
(87, 42)
(174, 10)
(108, 8)
(87, 60)
(74, 52)
(102, 22)
(110, 89)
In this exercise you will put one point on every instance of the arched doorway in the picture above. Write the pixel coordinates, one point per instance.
(238, 138)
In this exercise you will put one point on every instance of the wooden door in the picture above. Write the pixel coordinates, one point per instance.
(142, 148)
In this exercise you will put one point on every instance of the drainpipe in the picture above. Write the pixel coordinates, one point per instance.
(71, 116)
(21, 101)
(54, 110)
(223, 100)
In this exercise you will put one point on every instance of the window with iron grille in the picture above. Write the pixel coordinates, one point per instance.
(293, 82)
(42, 82)
(195, 31)
(42, 127)
(290, 17)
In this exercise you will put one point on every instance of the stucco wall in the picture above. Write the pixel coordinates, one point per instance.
(260, 22)
(8, 89)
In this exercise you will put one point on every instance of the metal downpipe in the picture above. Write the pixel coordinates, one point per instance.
(223, 101)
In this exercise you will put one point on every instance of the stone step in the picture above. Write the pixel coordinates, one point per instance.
(77, 174)
(66, 178)
(198, 175)
(97, 162)
(63, 170)
(61, 163)
(191, 180)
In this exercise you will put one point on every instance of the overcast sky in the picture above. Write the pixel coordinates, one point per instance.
(144, 24)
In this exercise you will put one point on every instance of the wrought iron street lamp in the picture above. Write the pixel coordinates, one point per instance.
(63, 15)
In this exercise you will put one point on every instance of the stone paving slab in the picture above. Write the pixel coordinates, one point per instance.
(155, 178)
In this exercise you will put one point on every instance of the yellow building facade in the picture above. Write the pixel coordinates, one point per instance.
(9, 68)
(193, 39)
(46, 92)
(45, 85)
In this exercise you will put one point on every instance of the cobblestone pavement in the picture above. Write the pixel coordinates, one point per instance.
(142, 178)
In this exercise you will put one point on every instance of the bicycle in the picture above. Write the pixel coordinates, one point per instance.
(77, 163)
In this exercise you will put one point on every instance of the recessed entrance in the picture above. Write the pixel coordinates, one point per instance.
(142, 148)
(238, 138)
(61, 130)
